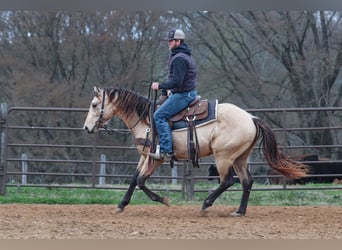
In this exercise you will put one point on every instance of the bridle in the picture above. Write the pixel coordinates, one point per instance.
(99, 122)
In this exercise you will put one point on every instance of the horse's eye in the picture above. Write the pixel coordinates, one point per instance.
(94, 105)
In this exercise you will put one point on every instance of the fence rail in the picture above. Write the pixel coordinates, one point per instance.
(26, 152)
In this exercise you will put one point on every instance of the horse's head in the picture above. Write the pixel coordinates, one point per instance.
(99, 113)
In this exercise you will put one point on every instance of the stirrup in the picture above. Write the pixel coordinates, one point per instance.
(156, 154)
(161, 156)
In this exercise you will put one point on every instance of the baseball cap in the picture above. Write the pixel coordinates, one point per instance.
(175, 34)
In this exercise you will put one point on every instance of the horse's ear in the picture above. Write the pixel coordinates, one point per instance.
(97, 90)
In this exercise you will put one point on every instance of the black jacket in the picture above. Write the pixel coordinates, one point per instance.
(182, 71)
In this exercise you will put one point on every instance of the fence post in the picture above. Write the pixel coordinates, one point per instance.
(93, 177)
(24, 169)
(102, 179)
(188, 183)
(174, 175)
(284, 131)
(3, 119)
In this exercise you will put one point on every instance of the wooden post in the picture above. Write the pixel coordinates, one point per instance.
(184, 182)
(174, 175)
(24, 169)
(191, 184)
(93, 177)
(188, 183)
(3, 118)
(102, 179)
(284, 147)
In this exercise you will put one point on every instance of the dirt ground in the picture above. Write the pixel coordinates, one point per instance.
(160, 222)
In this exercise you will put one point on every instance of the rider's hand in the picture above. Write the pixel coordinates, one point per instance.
(155, 86)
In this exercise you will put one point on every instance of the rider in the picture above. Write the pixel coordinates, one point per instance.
(180, 88)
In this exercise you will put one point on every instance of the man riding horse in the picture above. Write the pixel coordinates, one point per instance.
(181, 90)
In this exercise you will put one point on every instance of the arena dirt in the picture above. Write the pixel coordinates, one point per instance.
(175, 222)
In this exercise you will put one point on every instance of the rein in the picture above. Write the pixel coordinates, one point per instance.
(146, 142)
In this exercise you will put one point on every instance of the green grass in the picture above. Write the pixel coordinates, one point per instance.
(39, 195)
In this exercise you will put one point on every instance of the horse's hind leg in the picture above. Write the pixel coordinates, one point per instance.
(226, 183)
(240, 167)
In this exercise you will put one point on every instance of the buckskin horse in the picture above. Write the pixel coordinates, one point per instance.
(230, 138)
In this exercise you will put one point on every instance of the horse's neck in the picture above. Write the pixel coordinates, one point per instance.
(140, 130)
(138, 127)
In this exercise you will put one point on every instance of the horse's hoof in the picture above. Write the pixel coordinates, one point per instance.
(236, 214)
(119, 210)
(166, 201)
(203, 213)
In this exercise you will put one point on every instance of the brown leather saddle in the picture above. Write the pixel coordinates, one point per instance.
(197, 110)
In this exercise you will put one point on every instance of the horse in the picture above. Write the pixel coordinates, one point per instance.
(230, 139)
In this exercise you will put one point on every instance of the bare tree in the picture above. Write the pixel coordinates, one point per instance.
(54, 59)
(252, 58)
(272, 59)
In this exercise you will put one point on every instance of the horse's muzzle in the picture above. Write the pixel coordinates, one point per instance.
(88, 130)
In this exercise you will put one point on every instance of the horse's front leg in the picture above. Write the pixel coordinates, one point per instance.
(141, 174)
(153, 196)
(127, 198)
(145, 172)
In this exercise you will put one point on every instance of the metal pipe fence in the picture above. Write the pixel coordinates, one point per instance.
(39, 153)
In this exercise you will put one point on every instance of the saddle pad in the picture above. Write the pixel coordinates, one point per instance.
(212, 116)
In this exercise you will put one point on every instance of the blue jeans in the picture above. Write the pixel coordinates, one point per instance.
(173, 104)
